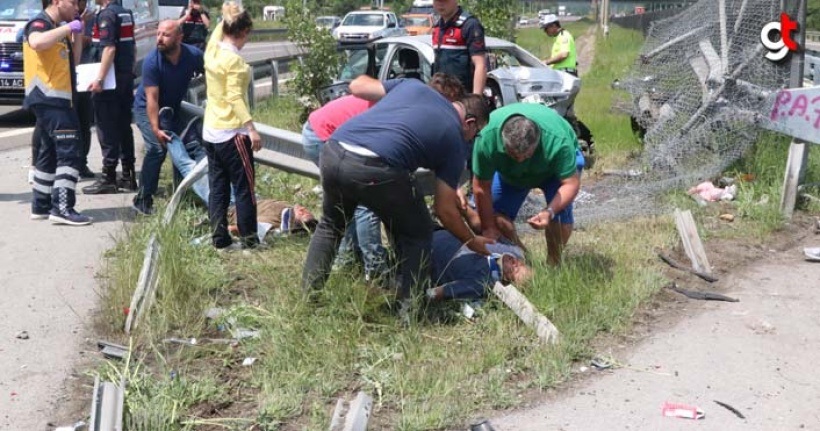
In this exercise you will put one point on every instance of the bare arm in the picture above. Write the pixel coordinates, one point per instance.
(77, 47)
(448, 212)
(563, 197)
(484, 206)
(480, 73)
(152, 110)
(43, 40)
(367, 88)
(559, 57)
(106, 62)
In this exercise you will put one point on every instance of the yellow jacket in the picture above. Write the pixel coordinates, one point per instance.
(227, 77)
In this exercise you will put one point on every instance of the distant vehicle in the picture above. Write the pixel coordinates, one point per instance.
(514, 75)
(523, 21)
(367, 26)
(13, 17)
(171, 9)
(327, 22)
(423, 3)
(273, 13)
(417, 24)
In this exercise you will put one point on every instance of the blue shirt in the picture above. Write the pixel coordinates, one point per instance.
(463, 276)
(412, 126)
(171, 79)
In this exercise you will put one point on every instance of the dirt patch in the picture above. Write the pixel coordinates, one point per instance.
(585, 50)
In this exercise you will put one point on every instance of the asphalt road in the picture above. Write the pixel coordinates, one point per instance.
(49, 288)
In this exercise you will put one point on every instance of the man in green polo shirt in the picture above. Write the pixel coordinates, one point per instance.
(563, 57)
(526, 146)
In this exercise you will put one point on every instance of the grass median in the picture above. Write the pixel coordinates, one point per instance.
(437, 374)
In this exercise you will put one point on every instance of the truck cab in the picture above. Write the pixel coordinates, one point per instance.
(14, 14)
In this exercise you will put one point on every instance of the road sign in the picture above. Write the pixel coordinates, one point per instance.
(796, 112)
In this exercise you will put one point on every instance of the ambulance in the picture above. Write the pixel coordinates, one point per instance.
(13, 17)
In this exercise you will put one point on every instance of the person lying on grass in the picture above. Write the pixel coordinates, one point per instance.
(459, 273)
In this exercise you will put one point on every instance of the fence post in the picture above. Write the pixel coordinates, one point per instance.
(274, 78)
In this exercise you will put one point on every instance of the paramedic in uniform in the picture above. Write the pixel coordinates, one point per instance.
(113, 46)
(458, 41)
(48, 71)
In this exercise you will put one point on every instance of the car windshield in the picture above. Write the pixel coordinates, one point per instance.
(417, 21)
(365, 20)
(17, 10)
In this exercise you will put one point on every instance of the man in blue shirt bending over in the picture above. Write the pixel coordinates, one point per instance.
(166, 72)
(371, 160)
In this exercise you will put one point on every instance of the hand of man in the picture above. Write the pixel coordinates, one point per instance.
(162, 137)
(95, 87)
(462, 199)
(540, 221)
(76, 26)
(491, 232)
(256, 140)
(479, 245)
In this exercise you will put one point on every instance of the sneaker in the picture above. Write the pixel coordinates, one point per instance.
(70, 217)
(35, 216)
(86, 174)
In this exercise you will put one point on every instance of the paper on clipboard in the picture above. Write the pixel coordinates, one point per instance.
(87, 73)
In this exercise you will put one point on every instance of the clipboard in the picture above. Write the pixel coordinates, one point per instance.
(87, 73)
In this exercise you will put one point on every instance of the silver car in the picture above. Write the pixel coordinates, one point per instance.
(514, 74)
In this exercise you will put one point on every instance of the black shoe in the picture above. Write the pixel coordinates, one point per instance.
(127, 182)
(86, 173)
(103, 186)
(142, 207)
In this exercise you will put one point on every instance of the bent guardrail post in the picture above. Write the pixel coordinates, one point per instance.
(274, 78)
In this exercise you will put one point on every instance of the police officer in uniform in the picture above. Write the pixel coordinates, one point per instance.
(458, 40)
(563, 56)
(48, 69)
(113, 46)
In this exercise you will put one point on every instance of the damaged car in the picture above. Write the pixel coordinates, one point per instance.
(515, 75)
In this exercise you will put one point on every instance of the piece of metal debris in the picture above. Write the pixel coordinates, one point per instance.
(79, 426)
(482, 425)
(730, 408)
(703, 296)
(601, 363)
(22, 335)
(112, 350)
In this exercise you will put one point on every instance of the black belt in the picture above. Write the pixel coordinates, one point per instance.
(570, 71)
(365, 160)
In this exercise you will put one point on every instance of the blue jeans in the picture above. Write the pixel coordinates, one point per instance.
(366, 227)
(184, 159)
(152, 163)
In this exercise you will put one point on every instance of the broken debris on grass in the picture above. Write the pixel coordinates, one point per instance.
(812, 254)
(22, 335)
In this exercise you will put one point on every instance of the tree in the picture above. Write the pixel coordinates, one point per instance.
(321, 61)
(497, 16)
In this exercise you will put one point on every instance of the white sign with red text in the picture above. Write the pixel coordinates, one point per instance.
(796, 112)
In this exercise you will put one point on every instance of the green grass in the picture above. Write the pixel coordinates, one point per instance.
(440, 372)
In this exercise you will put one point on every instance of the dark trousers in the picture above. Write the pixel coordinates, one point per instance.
(231, 163)
(349, 180)
(85, 113)
(56, 160)
(112, 112)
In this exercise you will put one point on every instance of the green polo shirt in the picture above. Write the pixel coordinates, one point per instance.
(553, 159)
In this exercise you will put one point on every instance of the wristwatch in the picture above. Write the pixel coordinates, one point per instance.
(551, 211)
(99, 81)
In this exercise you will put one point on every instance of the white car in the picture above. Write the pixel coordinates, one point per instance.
(514, 74)
(367, 26)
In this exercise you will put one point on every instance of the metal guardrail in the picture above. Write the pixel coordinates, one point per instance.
(270, 67)
(813, 36)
